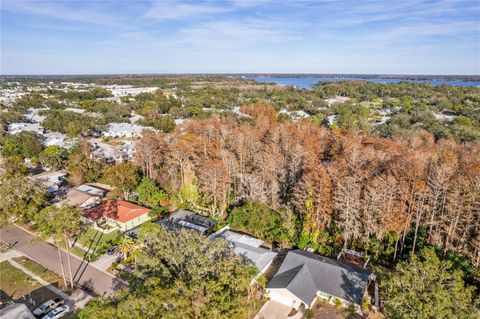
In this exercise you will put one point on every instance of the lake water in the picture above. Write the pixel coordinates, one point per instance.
(306, 82)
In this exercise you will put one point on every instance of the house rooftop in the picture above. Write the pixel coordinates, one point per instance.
(18, 127)
(119, 210)
(92, 190)
(50, 175)
(304, 274)
(51, 180)
(187, 219)
(248, 247)
(75, 197)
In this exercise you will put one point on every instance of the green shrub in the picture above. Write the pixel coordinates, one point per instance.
(338, 303)
(351, 308)
(364, 304)
(308, 313)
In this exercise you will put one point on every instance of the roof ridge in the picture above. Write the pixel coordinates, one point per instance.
(311, 276)
(83, 192)
(329, 261)
(295, 274)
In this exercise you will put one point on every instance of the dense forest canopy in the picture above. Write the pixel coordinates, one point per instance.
(331, 187)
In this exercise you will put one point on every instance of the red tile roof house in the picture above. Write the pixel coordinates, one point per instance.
(116, 214)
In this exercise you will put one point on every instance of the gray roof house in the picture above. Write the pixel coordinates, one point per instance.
(51, 181)
(304, 275)
(78, 197)
(182, 218)
(248, 248)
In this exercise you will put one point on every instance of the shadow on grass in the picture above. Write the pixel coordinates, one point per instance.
(86, 261)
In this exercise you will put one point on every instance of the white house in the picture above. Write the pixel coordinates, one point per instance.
(295, 115)
(18, 127)
(125, 130)
(124, 90)
(33, 116)
(337, 100)
(57, 139)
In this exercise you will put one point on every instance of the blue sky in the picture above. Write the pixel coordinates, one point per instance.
(85, 37)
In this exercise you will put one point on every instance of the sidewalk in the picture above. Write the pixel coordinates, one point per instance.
(47, 285)
(9, 255)
(85, 275)
(78, 299)
(102, 264)
(77, 244)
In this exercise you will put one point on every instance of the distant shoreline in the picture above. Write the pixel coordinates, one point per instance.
(259, 75)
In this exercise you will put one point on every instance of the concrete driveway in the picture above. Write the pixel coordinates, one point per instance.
(273, 310)
(104, 262)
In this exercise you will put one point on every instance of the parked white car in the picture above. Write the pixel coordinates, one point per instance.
(47, 306)
(58, 312)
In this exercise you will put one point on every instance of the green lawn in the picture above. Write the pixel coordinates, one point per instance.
(14, 284)
(97, 240)
(42, 272)
(79, 252)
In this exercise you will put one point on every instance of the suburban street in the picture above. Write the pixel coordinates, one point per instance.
(85, 275)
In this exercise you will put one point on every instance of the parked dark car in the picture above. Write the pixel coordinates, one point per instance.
(111, 250)
(132, 235)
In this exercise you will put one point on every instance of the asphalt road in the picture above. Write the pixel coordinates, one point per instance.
(84, 275)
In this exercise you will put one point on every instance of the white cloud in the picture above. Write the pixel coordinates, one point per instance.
(62, 11)
(172, 10)
(224, 34)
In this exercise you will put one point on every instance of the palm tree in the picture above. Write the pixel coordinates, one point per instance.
(125, 246)
(60, 223)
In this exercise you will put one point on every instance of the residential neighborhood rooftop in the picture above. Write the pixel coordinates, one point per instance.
(51, 180)
(187, 219)
(248, 247)
(18, 127)
(119, 210)
(304, 274)
(92, 190)
(76, 197)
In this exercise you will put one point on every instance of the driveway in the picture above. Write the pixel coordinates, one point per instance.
(273, 310)
(86, 276)
(104, 262)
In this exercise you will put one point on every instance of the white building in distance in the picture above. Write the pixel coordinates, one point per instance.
(18, 127)
(124, 90)
(125, 130)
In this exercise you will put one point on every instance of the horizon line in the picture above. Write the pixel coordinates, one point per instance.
(233, 73)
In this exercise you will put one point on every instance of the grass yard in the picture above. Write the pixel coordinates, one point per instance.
(42, 272)
(80, 253)
(15, 284)
(97, 240)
